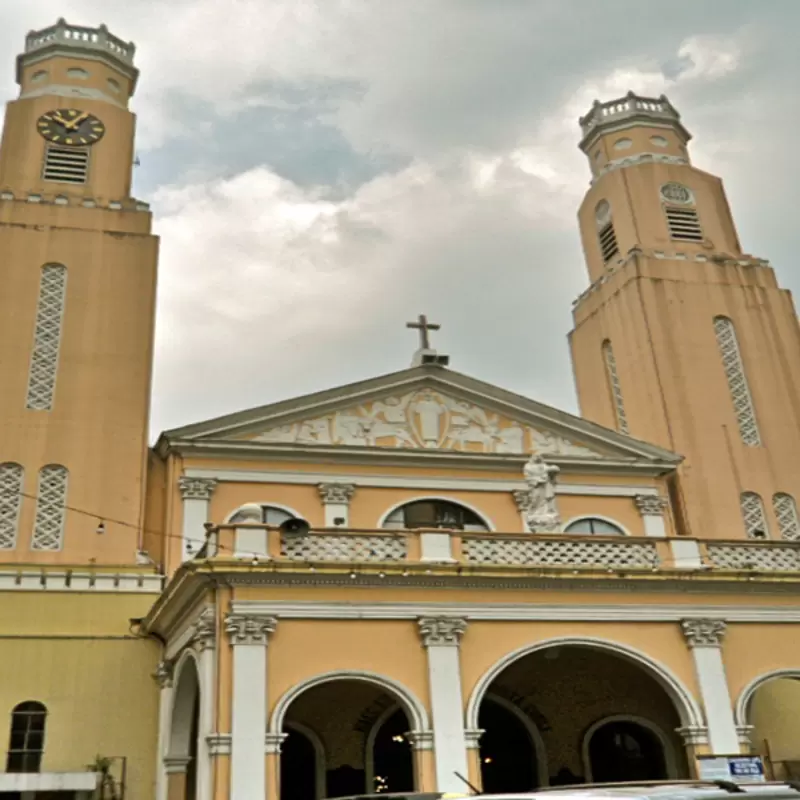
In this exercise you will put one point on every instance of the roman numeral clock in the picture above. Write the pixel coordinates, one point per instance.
(71, 127)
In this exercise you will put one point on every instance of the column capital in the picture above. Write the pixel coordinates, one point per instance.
(745, 734)
(652, 505)
(252, 629)
(522, 498)
(473, 738)
(273, 742)
(693, 735)
(339, 493)
(219, 744)
(703, 632)
(204, 631)
(196, 488)
(441, 631)
(163, 674)
(176, 764)
(420, 740)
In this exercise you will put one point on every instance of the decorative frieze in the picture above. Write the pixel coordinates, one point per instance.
(441, 631)
(252, 629)
(196, 488)
(703, 632)
(651, 504)
(338, 493)
(164, 674)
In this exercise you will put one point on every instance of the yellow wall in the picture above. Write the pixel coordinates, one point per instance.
(773, 713)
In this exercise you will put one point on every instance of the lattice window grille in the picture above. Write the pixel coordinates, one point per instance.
(786, 513)
(66, 164)
(737, 381)
(684, 224)
(51, 500)
(616, 388)
(754, 556)
(755, 520)
(47, 337)
(355, 548)
(11, 477)
(566, 553)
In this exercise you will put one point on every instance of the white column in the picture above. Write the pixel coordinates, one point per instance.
(704, 637)
(196, 494)
(163, 676)
(441, 636)
(336, 499)
(652, 507)
(249, 634)
(204, 640)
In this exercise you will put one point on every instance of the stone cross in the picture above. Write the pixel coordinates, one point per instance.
(423, 326)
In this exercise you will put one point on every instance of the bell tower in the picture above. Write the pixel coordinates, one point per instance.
(78, 269)
(682, 339)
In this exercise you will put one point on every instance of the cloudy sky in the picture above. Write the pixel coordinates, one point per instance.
(323, 171)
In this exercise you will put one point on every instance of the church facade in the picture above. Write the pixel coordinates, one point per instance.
(417, 581)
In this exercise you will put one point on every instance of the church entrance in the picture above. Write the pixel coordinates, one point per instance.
(345, 737)
(576, 714)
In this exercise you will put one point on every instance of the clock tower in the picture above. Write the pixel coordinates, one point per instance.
(78, 270)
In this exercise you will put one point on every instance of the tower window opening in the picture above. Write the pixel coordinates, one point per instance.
(608, 241)
(786, 513)
(66, 164)
(755, 520)
(684, 224)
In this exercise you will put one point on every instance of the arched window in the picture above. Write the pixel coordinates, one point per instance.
(755, 520)
(435, 514)
(47, 337)
(786, 513)
(594, 526)
(266, 515)
(615, 387)
(27, 737)
(605, 231)
(51, 501)
(10, 503)
(737, 380)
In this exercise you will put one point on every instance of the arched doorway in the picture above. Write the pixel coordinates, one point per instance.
(625, 750)
(184, 728)
(362, 727)
(560, 691)
(770, 708)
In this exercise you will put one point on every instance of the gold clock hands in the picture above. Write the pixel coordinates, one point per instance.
(59, 119)
(75, 122)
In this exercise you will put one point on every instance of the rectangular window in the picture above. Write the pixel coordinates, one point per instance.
(66, 164)
(608, 241)
(684, 224)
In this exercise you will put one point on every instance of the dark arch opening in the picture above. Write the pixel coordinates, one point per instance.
(624, 750)
(26, 743)
(298, 767)
(435, 514)
(393, 769)
(507, 751)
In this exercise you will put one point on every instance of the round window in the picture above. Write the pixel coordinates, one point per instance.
(676, 193)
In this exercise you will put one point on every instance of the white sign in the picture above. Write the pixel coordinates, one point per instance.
(739, 769)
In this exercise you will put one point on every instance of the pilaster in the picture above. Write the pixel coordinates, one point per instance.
(196, 494)
(704, 637)
(336, 499)
(249, 635)
(652, 507)
(441, 636)
(203, 640)
(163, 677)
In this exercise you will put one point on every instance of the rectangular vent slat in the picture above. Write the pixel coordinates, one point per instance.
(66, 165)
(608, 241)
(684, 224)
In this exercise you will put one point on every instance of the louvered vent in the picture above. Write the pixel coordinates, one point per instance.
(66, 164)
(608, 241)
(684, 224)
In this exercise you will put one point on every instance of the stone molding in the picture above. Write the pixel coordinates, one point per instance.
(273, 742)
(651, 504)
(441, 631)
(338, 493)
(204, 631)
(693, 735)
(704, 632)
(219, 744)
(473, 738)
(196, 488)
(250, 629)
(164, 674)
(420, 740)
(745, 732)
(176, 764)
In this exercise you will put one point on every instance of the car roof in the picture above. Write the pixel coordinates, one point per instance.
(678, 790)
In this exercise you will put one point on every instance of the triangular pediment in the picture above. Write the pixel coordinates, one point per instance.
(423, 409)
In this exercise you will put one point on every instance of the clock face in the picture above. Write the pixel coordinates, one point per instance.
(71, 127)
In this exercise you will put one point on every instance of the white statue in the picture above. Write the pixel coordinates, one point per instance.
(542, 514)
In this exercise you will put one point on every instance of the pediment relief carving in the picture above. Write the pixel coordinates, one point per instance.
(423, 419)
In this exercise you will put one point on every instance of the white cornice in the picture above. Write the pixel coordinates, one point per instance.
(80, 581)
(510, 612)
(410, 482)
